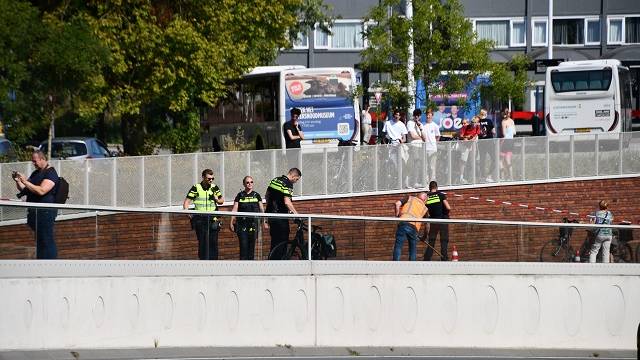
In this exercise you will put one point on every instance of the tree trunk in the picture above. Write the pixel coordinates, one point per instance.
(133, 134)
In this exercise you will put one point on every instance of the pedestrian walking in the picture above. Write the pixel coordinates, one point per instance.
(246, 228)
(205, 196)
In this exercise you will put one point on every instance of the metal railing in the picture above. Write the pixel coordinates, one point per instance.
(163, 180)
(102, 232)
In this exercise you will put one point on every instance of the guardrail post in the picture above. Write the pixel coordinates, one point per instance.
(273, 163)
(114, 182)
(547, 153)
(375, 167)
(86, 181)
(449, 151)
(222, 163)
(620, 143)
(169, 179)
(496, 159)
(474, 179)
(309, 236)
(522, 154)
(248, 159)
(142, 181)
(325, 171)
(571, 155)
(195, 168)
(350, 170)
(400, 165)
(598, 155)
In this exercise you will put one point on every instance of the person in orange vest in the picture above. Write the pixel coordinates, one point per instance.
(411, 207)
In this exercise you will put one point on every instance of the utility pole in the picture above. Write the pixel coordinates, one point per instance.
(411, 83)
(550, 31)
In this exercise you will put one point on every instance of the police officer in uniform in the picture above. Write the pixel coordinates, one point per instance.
(246, 228)
(205, 196)
(438, 208)
(278, 198)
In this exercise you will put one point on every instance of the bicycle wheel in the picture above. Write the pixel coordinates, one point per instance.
(553, 251)
(622, 254)
(280, 252)
(296, 253)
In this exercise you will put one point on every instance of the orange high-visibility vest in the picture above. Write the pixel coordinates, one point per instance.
(414, 208)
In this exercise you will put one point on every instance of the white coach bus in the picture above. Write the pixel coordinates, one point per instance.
(587, 97)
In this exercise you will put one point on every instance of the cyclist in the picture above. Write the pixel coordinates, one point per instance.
(602, 236)
(246, 228)
(278, 197)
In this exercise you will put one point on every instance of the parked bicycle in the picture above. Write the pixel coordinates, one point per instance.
(560, 249)
(323, 246)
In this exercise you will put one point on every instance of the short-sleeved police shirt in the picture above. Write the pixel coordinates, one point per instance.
(435, 205)
(278, 189)
(248, 202)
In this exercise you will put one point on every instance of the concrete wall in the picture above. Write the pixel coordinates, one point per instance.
(104, 304)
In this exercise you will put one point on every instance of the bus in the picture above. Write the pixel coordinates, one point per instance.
(591, 96)
(251, 116)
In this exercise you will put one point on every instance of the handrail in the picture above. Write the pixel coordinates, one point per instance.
(114, 209)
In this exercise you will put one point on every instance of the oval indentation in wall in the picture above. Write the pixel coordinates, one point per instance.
(491, 310)
(134, 310)
(65, 312)
(449, 309)
(201, 313)
(532, 310)
(99, 312)
(373, 308)
(615, 309)
(168, 311)
(27, 314)
(268, 310)
(336, 304)
(301, 310)
(409, 309)
(573, 311)
(233, 310)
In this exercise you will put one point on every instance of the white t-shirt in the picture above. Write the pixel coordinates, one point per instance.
(411, 127)
(365, 118)
(394, 130)
(429, 133)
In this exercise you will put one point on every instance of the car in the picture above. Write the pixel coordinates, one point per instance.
(7, 153)
(76, 148)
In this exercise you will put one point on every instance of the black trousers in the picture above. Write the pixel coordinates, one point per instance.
(247, 237)
(279, 231)
(434, 229)
(207, 232)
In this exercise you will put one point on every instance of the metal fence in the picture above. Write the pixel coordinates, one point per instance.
(163, 180)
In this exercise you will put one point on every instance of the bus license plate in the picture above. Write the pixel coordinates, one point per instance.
(583, 130)
(320, 141)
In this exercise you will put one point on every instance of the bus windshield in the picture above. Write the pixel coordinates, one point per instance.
(589, 80)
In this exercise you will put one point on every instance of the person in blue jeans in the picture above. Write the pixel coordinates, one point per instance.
(410, 207)
(603, 236)
(40, 187)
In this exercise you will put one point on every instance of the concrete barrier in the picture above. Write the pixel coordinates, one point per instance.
(146, 304)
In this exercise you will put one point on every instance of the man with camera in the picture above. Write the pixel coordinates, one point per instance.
(205, 196)
(40, 188)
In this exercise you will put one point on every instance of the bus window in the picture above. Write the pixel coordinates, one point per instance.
(592, 80)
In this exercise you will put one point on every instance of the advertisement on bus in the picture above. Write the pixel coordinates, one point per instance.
(451, 108)
(324, 98)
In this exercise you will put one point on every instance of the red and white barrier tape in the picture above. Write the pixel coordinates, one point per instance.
(522, 205)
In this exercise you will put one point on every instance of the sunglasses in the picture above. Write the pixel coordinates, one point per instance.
(209, 179)
(249, 182)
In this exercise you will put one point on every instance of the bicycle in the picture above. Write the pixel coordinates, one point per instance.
(620, 249)
(322, 245)
(560, 249)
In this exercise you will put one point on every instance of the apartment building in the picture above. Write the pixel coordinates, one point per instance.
(582, 30)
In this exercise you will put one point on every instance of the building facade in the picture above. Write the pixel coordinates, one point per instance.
(584, 30)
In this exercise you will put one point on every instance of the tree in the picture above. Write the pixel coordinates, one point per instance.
(444, 41)
(172, 57)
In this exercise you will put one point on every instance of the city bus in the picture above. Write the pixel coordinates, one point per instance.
(587, 97)
(253, 113)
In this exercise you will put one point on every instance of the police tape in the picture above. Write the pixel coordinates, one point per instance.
(525, 206)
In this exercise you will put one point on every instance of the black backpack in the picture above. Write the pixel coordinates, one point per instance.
(61, 190)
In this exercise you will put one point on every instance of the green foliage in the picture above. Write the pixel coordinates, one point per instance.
(182, 135)
(133, 60)
(443, 40)
(509, 80)
(237, 142)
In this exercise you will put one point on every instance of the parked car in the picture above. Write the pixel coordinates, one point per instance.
(76, 148)
(7, 153)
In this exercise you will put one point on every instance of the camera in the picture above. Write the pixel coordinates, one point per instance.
(14, 174)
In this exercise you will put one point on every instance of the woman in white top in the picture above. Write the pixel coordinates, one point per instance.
(365, 124)
(506, 145)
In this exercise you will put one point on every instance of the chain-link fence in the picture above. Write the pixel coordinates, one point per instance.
(163, 180)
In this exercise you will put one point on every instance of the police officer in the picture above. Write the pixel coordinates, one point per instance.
(278, 198)
(206, 196)
(438, 208)
(246, 228)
